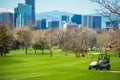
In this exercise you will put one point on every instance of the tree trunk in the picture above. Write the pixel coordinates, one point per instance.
(4, 54)
(26, 50)
(92, 49)
(35, 51)
(105, 51)
(1, 54)
(77, 55)
(50, 52)
(119, 54)
(83, 55)
(43, 51)
(66, 54)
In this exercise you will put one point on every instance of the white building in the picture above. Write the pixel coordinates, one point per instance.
(69, 25)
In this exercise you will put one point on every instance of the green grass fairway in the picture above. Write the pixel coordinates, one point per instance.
(17, 66)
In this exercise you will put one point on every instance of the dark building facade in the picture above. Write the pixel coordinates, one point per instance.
(77, 19)
(0, 18)
(7, 18)
(40, 24)
(32, 3)
(65, 18)
(97, 22)
(53, 24)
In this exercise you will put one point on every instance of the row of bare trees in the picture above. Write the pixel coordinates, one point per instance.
(38, 40)
(77, 41)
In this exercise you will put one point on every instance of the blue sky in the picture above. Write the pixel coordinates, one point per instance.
(74, 6)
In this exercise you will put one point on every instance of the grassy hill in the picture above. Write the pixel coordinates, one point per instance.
(18, 66)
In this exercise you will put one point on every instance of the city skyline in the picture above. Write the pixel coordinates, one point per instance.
(76, 6)
(27, 14)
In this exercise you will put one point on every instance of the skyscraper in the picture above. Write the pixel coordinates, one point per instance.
(77, 19)
(22, 15)
(7, 17)
(0, 18)
(65, 18)
(94, 22)
(32, 3)
(97, 21)
(87, 21)
(53, 24)
(41, 24)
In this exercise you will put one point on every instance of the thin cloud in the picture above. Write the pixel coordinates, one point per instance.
(6, 10)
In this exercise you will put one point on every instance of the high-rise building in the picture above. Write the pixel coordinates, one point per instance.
(94, 22)
(32, 3)
(53, 24)
(41, 24)
(0, 18)
(23, 15)
(87, 21)
(7, 18)
(97, 21)
(65, 18)
(77, 19)
(38, 25)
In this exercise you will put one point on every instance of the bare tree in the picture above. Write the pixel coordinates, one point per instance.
(91, 38)
(103, 41)
(115, 44)
(51, 38)
(35, 40)
(5, 40)
(74, 40)
(24, 36)
(109, 8)
(39, 41)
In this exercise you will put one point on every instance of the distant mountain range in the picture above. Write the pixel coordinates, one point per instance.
(52, 15)
(55, 14)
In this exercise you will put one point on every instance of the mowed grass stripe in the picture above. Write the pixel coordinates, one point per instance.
(21, 76)
(60, 67)
(29, 69)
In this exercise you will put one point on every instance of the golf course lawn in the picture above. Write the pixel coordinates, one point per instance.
(18, 66)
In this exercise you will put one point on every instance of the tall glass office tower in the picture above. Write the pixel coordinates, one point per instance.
(94, 22)
(87, 21)
(23, 15)
(32, 3)
(97, 21)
